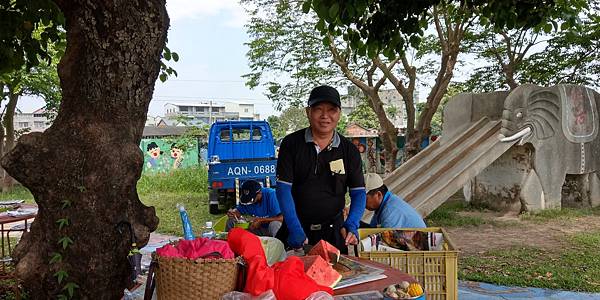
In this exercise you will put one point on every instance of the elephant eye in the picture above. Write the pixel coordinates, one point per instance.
(519, 114)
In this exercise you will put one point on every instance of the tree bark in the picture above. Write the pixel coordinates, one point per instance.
(2, 172)
(388, 133)
(85, 167)
(9, 126)
(407, 93)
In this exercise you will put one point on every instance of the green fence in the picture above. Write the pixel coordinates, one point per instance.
(165, 154)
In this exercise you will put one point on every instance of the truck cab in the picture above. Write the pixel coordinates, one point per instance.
(238, 151)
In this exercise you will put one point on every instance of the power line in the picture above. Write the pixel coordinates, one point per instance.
(198, 98)
(206, 80)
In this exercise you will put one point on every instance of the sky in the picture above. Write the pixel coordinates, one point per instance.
(209, 36)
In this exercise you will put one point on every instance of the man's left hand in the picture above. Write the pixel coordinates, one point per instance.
(349, 237)
(255, 224)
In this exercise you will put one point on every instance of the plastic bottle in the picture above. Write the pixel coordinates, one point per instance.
(188, 233)
(208, 231)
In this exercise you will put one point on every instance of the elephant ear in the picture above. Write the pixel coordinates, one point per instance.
(579, 113)
(543, 113)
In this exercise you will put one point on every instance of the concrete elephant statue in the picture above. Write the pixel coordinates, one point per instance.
(562, 124)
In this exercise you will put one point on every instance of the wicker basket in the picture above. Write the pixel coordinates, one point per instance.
(178, 278)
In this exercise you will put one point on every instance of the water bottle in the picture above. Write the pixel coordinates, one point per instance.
(188, 233)
(208, 231)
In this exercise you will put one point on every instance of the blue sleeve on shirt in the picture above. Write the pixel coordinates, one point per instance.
(271, 198)
(243, 209)
(358, 200)
(288, 208)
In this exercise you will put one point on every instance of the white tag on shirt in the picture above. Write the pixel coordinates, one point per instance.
(337, 166)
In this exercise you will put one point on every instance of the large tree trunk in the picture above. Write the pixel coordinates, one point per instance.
(7, 121)
(85, 167)
(2, 172)
(388, 133)
(450, 36)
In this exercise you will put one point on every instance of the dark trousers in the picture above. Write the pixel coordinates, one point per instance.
(329, 231)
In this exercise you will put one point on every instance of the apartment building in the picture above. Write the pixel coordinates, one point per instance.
(31, 122)
(392, 102)
(208, 112)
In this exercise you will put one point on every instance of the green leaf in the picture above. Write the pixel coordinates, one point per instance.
(175, 56)
(163, 77)
(62, 223)
(564, 26)
(320, 25)
(62, 297)
(66, 203)
(306, 6)
(326, 41)
(56, 257)
(334, 10)
(415, 41)
(70, 287)
(60, 275)
(167, 55)
(65, 241)
(134, 251)
(548, 28)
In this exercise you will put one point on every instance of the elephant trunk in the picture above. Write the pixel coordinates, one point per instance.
(519, 135)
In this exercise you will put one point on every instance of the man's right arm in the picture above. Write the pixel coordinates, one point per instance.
(285, 178)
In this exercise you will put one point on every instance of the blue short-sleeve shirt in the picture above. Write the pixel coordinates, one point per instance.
(267, 208)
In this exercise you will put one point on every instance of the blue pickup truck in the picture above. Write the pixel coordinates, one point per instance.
(238, 151)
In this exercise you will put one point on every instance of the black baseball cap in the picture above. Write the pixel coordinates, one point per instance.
(250, 189)
(324, 93)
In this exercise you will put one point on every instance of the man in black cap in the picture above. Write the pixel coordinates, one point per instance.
(262, 204)
(316, 167)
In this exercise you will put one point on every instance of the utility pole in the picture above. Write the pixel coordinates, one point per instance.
(210, 112)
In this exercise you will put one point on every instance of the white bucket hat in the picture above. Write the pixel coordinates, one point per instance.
(372, 181)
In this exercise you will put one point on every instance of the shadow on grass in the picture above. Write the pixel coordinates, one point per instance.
(447, 215)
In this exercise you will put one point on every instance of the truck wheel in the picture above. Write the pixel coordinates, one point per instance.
(213, 202)
(213, 209)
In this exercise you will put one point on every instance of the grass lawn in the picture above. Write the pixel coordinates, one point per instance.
(18, 193)
(576, 268)
(186, 186)
(196, 205)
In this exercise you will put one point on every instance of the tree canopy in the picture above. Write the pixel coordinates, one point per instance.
(388, 27)
(27, 30)
(562, 53)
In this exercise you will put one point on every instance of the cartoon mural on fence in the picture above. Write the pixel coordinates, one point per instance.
(162, 155)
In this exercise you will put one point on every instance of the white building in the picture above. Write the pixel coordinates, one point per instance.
(392, 101)
(31, 122)
(208, 112)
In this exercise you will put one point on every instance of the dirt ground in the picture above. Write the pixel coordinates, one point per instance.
(514, 232)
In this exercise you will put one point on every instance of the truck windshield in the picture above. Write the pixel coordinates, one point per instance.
(240, 134)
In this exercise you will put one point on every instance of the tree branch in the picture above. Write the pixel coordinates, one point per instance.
(344, 67)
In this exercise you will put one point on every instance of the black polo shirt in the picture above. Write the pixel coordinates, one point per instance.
(318, 192)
